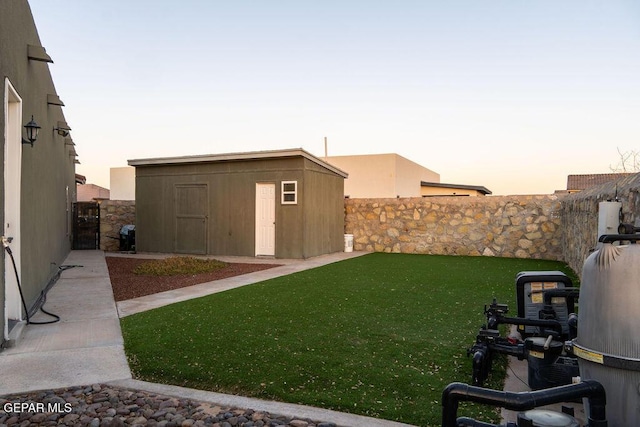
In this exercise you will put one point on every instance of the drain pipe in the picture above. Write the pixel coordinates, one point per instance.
(543, 323)
(457, 392)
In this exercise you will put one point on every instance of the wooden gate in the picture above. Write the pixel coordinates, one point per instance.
(86, 225)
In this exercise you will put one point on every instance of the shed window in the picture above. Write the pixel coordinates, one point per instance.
(289, 192)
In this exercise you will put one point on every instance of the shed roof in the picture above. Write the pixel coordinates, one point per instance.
(226, 157)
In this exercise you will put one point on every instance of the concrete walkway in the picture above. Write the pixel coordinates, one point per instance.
(86, 346)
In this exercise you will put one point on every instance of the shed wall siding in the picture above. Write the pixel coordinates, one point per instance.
(231, 209)
(324, 213)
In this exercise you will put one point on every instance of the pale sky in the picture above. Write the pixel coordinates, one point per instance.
(513, 95)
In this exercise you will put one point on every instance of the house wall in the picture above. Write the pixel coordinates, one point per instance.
(48, 171)
(231, 189)
(382, 175)
(122, 183)
(409, 177)
(91, 192)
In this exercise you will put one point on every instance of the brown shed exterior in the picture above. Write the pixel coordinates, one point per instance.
(216, 204)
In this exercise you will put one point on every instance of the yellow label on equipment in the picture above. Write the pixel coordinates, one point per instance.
(537, 298)
(588, 355)
(538, 354)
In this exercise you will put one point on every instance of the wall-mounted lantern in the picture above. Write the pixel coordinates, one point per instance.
(32, 129)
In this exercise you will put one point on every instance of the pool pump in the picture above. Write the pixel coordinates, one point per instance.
(545, 321)
(527, 402)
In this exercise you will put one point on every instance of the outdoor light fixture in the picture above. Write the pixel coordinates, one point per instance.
(32, 132)
(63, 128)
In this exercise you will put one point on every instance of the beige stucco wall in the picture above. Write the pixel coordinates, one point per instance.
(47, 178)
(122, 183)
(91, 192)
(382, 175)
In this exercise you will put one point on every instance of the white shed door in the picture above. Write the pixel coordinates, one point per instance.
(265, 219)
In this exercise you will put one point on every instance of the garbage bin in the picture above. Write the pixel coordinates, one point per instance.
(348, 242)
(128, 237)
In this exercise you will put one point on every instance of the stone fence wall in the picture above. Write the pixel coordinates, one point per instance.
(508, 226)
(113, 215)
(579, 216)
(542, 227)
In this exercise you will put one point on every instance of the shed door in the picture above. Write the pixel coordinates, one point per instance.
(192, 213)
(265, 219)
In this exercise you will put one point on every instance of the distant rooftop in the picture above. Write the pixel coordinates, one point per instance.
(582, 182)
(479, 188)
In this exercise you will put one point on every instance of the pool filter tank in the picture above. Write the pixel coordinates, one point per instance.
(608, 341)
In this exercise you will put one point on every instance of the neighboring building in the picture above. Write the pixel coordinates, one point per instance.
(92, 193)
(382, 175)
(576, 183)
(429, 189)
(38, 181)
(123, 183)
(283, 204)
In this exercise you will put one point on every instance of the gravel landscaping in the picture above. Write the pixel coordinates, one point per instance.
(101, 405)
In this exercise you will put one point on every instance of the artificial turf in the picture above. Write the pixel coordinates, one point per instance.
(379, 335)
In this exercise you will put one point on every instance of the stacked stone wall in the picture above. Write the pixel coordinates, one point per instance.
(579, 216)
(113, 215)
(529, 226)
(506, 226)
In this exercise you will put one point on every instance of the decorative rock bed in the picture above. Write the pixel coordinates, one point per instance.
(101, 405)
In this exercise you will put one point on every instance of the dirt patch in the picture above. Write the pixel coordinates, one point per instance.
(127, 285)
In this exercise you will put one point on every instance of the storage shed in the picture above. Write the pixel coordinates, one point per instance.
(282, 204)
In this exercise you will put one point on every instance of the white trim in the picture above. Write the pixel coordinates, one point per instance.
(293, 192)
(265, 219)
(12, 183)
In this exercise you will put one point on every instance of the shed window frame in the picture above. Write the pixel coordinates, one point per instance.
(286, 193)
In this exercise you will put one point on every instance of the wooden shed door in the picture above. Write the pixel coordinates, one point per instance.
(265, 219)
(192, 213)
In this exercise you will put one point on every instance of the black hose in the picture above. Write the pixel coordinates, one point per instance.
(15, 270)
(43, 294)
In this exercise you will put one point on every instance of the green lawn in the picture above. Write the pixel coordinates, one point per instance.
(379, 335)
